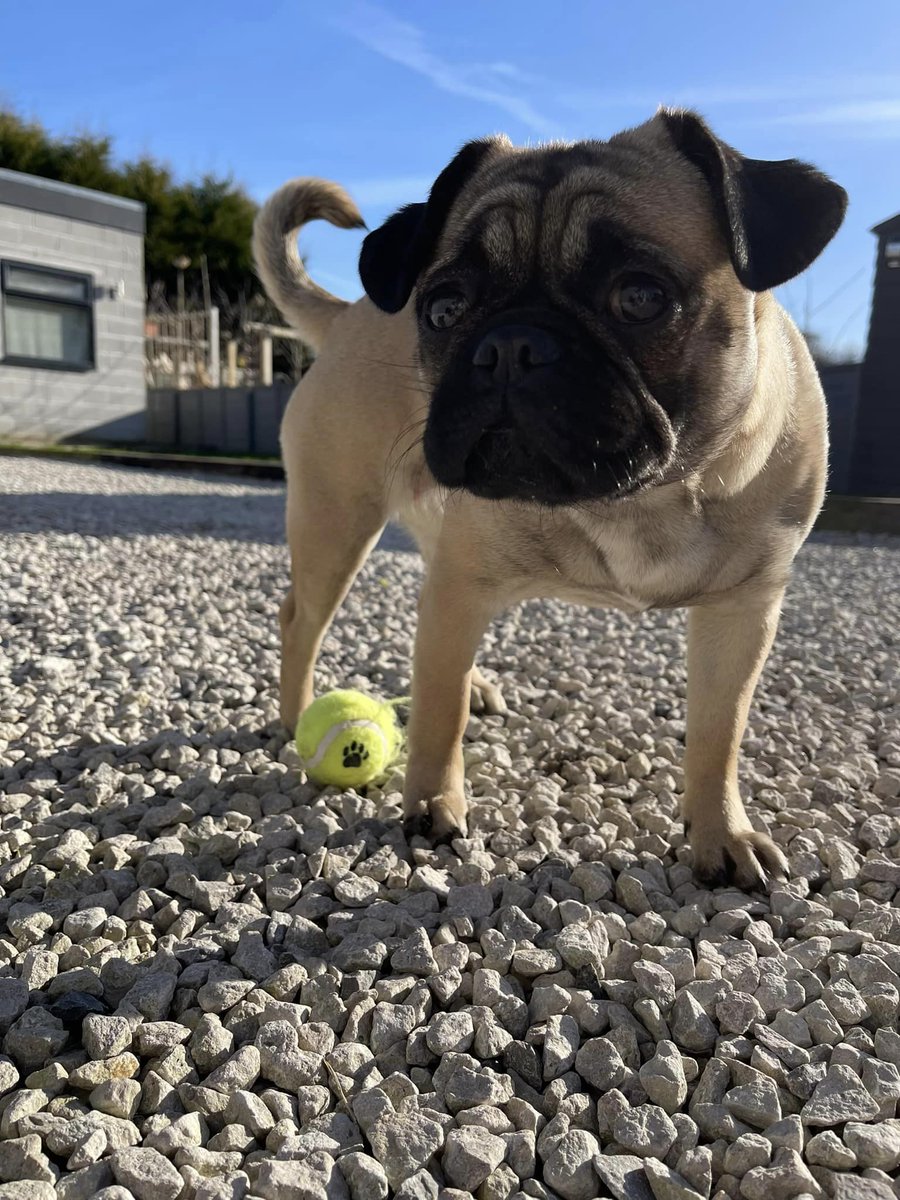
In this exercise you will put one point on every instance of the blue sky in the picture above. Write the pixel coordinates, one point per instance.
(380, 95)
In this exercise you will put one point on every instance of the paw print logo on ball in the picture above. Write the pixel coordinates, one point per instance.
(355, 754)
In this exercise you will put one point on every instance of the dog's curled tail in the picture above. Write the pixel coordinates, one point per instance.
(306, 305)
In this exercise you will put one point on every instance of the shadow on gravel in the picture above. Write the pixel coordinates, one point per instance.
(255, 517)
(249, 518)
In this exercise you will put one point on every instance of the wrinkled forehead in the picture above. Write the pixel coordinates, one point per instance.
(556, 205)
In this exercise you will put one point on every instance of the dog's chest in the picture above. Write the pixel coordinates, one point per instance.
(637, 565)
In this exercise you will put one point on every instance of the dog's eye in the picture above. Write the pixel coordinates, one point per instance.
(444, 308)
(637, 299)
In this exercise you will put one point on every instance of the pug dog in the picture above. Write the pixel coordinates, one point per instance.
(568, 378)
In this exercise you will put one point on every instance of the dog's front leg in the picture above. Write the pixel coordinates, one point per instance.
(728, 643)
(453, 614)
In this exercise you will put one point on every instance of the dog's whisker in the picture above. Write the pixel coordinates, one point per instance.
(395, 461)
(384, 362)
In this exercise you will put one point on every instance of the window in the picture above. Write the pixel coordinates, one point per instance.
(48, 317)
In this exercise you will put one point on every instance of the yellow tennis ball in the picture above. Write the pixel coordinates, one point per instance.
(347, 739)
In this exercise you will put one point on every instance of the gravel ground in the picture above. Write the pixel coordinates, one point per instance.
(218, 982)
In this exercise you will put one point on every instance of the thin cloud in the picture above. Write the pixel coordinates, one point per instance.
(701, 95)
(873, 113)
(697, 97)
(404, 43)
(511, 71)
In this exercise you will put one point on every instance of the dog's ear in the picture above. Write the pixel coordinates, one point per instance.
(394, 256)
(777, 216)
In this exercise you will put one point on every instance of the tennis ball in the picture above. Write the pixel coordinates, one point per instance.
(347, 739)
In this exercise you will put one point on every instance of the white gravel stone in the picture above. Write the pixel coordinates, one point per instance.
(178, 1133)
(645, 1130)
(31, 1190)
(582, 946)
(874, 1145)
(470, 1155)
(624, 1176)
(737, 1011)
(315, 1175)
(786, 1132)
(788, 1177)
(22, 1158)
(748, 1151)
(118, 1097)
(667, 1184)
(9, 1076)
(696, 1166)
(415, 955)
(147, 1175)
(755, 1103)
(691, 1027)
(839, 1097)
(569, 1169)
(599, 1063)
(85, 1183)
(105, 1037)
(450, 1031)
(826, 1149)
(561, 1042)
(13, 1001)
(237, 1073)
(663, 1079)
(365, 1176)
(404, 1143)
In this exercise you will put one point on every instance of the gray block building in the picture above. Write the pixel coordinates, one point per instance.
(71, 313)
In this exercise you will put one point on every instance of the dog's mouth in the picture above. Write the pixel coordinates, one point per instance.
(502, 464)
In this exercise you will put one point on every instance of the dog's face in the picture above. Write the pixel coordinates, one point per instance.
(585, 313)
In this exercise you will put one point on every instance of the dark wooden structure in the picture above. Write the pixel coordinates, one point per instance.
(875, 460)
(840, 383)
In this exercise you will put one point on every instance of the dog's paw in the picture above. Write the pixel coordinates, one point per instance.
(437, 820)
(485, 697)
(746, 858)
(417, 824)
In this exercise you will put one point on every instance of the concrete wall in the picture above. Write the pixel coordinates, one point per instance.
(106, 403)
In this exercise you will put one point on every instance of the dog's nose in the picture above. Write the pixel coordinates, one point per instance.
(513, 350)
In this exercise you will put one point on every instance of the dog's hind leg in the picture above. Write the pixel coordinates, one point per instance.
(336, 508)
(484, 696)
